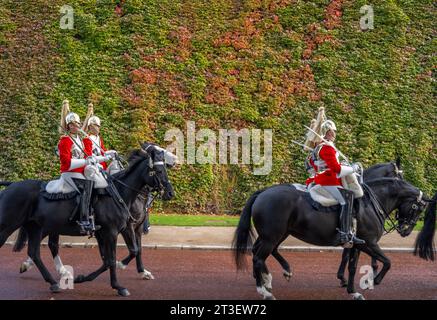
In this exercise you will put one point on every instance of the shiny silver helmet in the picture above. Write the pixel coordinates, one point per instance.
(94, 120)
(328, 125)
(72, 118)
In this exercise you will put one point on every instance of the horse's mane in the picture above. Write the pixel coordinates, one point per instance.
(134, 158)
(379, 165)
(383, 179)
(388, 180)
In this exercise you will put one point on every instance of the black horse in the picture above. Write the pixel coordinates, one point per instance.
(22, 204)
(131, 235)
(282, 210)
(380, 170)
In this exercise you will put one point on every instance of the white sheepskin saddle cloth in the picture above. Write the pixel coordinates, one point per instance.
(320, 195)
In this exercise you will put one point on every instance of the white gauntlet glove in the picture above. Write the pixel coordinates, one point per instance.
(356, 167)
(111, 153)
(345, 171)
(103, 158)
(77, 163)
(91, 160)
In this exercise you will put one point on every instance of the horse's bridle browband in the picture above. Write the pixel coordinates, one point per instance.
(398, 171)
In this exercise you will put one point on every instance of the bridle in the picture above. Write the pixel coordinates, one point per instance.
(398, 223)
(399, 173)
(156, 191)
(412, 217)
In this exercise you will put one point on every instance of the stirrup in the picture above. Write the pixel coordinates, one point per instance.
(356, 240)
(94, 227)
(345, 239)
(85, 227)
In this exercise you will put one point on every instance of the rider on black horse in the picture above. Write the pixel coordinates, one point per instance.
(75, 156)
(327, 171)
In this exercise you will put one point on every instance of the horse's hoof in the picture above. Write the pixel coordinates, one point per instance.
(357, 296)
(23, 268)
(54, 288)
(343, 283)
(287, 275)
(123, 292)
(268, 289)
(79, 279)
(271, 297)
(120, 265)
(146, 275)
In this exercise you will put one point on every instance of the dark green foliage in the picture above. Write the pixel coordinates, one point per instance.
(153, 65)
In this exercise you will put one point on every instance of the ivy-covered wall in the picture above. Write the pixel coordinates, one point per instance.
(151, 65)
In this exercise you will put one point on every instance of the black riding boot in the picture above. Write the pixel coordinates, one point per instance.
(347, 237)
(86, 222)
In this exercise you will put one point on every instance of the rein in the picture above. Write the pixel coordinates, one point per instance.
(379, 208)
(140, 192)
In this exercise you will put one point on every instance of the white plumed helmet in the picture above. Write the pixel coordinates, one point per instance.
(95, 120)
(72, 117)
(328, 125)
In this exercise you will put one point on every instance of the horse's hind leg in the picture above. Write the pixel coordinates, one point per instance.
(28, 264)
(284, 264)
(255, 248)
(33, 251)
(262, 276)
(5, 233)
(342, 267)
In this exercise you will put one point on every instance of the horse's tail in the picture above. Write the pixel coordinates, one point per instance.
(20, 243)
(425, 240)
(243, 237)
(5, 183)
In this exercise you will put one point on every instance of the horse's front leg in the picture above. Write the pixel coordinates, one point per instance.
(145, 274)
(110, 261)
(354, 255)
(375, 252)
(93, 275)
(131, 243)
(342, 267)
(54, 249)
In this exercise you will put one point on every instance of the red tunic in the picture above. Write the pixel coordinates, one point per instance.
(67, 151)
(95, 150)
(328, 177)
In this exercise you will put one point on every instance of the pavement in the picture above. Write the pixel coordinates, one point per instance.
(210, 238)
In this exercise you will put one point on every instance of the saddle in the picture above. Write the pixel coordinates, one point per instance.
(323, 198)
(58, 195)
(333, 204)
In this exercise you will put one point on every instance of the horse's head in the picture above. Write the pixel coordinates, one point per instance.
(412, 203)
(157, 177)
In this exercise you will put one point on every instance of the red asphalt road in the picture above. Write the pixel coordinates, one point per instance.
(211, 274)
